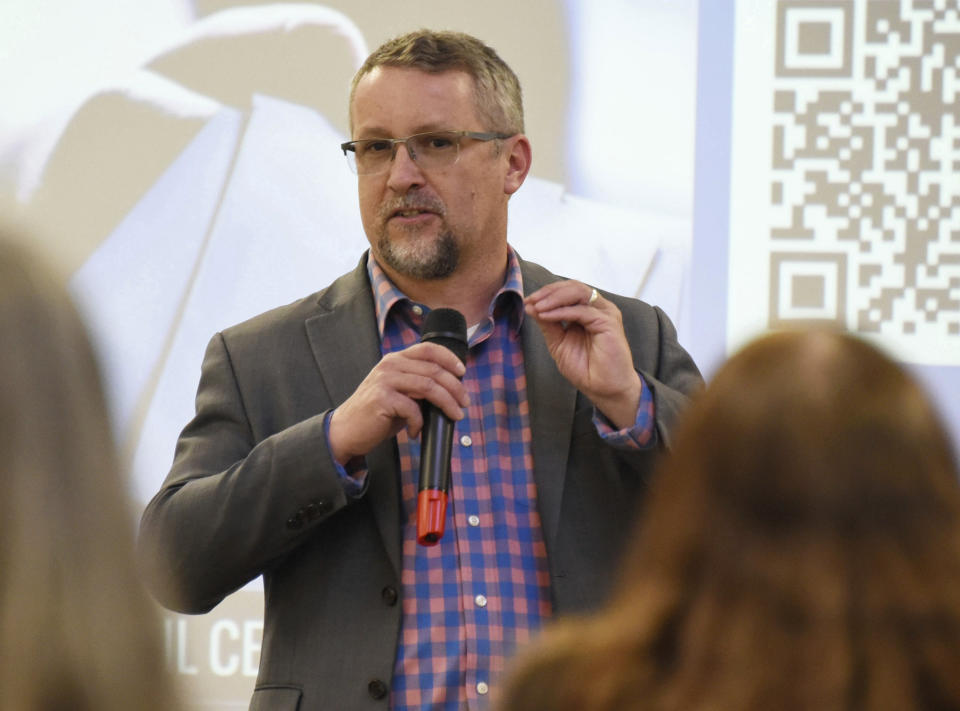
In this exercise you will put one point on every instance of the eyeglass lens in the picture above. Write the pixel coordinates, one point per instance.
(430, 150)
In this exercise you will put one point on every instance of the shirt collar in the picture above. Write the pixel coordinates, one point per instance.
(388, 300)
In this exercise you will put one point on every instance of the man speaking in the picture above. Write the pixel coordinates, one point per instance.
(302, 461)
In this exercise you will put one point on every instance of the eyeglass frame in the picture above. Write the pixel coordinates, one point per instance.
(474, 135)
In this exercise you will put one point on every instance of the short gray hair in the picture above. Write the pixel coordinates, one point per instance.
(497, 93)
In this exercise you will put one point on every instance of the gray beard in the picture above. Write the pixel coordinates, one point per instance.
(435, 260)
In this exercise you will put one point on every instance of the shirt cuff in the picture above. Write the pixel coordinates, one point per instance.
(353, 476)
(641, 435)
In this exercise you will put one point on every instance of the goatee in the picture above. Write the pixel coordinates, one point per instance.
(420, 259)
(418, 256)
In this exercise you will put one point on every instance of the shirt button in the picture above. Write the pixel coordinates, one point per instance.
(482, 688)
(473, 520)
(480, 600)
(417, 309)
(466, 441)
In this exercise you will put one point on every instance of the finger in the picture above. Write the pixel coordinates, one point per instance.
(421, 361)
(427, 361)
(447, 395)
(390, 393)
(373, 413)
(409, 412)
(563, 293)
(388, 399)
(435, 353)
(551, 330)
(589, 317)
(557, 287)
(422, 380)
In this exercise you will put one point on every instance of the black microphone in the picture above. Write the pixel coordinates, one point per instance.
(447, 327)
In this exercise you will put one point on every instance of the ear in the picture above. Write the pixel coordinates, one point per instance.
(518, 163)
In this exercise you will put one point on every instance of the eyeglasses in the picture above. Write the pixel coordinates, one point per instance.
(435, 149)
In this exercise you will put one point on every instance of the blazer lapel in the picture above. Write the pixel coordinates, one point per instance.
(552, 400)
(346, 346)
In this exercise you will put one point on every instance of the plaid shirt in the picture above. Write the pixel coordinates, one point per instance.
(470, 600)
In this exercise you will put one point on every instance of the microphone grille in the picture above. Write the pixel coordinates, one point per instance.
(448, 328)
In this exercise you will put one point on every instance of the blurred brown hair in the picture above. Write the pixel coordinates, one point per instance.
(77, 630)
(801, 550)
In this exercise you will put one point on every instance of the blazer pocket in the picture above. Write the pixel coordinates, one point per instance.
(276, 698)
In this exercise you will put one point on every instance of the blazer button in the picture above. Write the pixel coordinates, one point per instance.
(295, 521)
(377, 689)
(313, 511)
(389, 595)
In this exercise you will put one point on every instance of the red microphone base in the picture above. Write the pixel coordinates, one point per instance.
(431, 516)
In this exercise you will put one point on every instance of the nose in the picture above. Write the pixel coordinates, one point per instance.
(404, 171)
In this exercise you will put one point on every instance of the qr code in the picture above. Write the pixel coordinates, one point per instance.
(865, 188)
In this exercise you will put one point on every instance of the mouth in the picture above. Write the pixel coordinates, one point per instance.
(407, 213)
(412, 209)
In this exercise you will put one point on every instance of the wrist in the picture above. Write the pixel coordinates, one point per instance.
(339, 452)
(621, 407)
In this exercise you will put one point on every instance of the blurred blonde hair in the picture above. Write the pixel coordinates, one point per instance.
(801, 550)
(77, 630)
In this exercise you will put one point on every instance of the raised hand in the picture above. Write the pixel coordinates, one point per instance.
(584, 333)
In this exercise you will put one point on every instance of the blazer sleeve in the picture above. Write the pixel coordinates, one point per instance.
(233, 503)
(674, 378)
(589, 512)
(665, 365)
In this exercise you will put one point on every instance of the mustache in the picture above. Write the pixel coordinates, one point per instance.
(424, 203)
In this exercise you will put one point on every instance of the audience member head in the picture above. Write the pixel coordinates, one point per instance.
(498, 96)
(77, 631)
(801, 550)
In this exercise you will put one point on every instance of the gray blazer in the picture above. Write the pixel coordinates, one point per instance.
(253, 490)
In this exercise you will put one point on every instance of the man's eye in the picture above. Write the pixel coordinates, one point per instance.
(372, 147)
(434, 142)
